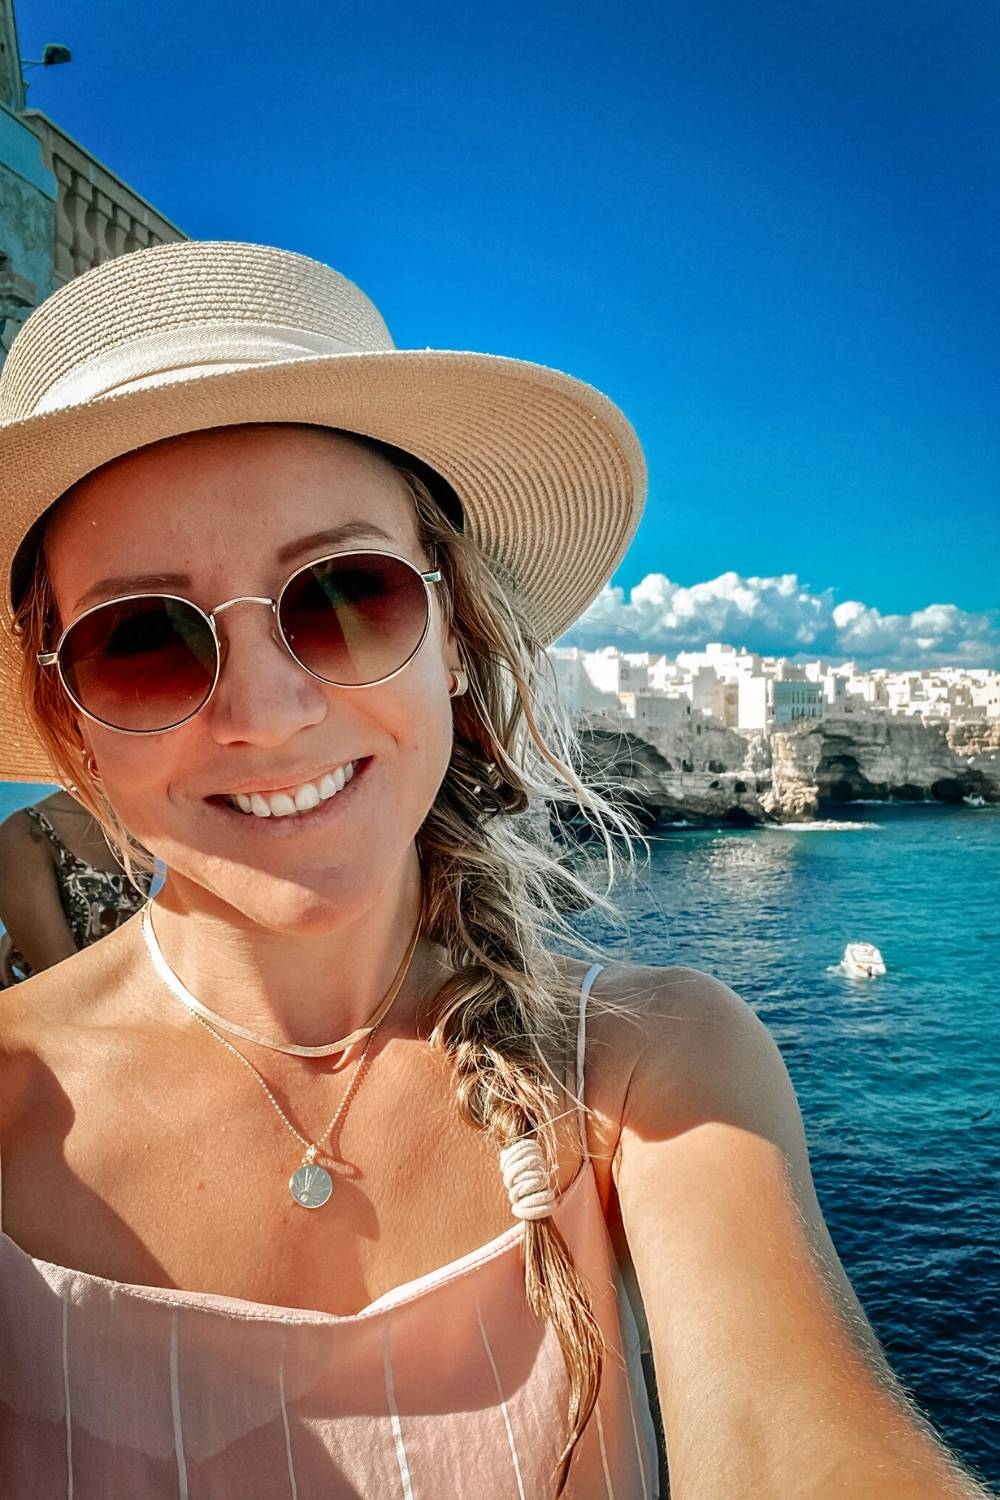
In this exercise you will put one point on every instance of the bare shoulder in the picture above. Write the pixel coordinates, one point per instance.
(697, 1041)
(652, 1033)
(684, 1079)
(22, 1021)
(656, 1036)
(677, 1048)
(47, 1021)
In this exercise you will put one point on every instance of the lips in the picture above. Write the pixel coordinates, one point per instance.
(268, 783)
(298, 799)
(276, 822)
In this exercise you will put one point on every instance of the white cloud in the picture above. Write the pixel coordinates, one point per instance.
(780, 616)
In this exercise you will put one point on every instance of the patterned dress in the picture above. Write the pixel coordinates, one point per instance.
(95, 901)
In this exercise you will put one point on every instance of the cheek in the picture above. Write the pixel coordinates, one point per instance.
(423, 733)
(136, 775)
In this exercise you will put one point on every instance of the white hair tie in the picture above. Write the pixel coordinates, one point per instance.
(527, 1179)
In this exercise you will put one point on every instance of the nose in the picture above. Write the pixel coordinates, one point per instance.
(263, 696)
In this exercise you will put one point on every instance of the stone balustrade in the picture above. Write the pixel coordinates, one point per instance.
(97, 215)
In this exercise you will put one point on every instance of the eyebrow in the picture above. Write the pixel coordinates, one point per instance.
(112, 588)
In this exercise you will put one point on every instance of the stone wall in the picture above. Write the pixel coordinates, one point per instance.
(27, 218)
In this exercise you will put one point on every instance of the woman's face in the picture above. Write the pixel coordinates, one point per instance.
(208, 515)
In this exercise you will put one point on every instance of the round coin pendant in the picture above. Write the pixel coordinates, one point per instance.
(310, 1185)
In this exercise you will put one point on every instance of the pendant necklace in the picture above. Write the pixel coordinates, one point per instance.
(202, 1013)
(310, 1184)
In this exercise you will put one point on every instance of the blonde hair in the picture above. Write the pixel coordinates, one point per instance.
(495, 893)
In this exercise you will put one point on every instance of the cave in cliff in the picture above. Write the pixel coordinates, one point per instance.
(841, 779)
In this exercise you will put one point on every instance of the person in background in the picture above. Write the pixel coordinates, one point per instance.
(61, 887)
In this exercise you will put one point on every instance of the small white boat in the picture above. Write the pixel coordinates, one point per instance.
(862, 960)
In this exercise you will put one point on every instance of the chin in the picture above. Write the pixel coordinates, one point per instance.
(294, 908)
(308, 903)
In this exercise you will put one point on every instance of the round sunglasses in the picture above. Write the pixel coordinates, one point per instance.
(147, 663)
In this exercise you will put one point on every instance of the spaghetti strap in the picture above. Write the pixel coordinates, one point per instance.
(46, 827)
(581, 1050)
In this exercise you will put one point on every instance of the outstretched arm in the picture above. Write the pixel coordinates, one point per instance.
(772, 1383)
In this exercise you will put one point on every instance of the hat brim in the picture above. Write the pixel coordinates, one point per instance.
(550, 474)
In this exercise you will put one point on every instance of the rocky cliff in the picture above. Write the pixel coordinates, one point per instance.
(703, 772)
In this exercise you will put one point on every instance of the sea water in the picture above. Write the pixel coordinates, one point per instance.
(898, 1077)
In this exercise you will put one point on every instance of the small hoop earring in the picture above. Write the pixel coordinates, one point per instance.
(90, 766)
(461, 683)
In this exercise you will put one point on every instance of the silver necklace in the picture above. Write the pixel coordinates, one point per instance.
(310, 1184)
(202, 1013)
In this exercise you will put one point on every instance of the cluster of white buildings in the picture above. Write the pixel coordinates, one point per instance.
(743, 690)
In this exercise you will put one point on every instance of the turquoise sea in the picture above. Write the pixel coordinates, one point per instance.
(898, 1077)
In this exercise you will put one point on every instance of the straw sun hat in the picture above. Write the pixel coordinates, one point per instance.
(181, 337)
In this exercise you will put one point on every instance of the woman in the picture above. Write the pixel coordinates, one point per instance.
(61, 885)
(327, 1175)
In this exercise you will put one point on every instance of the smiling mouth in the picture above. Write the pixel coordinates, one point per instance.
(294, 802)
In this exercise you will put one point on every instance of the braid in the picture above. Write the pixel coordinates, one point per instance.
(488, 1017)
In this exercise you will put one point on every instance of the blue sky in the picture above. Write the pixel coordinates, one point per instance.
(768, 230)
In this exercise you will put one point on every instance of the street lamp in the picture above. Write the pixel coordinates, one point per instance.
(53, 53)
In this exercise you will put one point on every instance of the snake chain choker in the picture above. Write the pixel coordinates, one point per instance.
(197, 1009)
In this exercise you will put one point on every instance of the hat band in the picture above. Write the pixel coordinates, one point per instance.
(180, 352)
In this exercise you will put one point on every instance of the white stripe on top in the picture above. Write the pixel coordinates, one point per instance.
(67, 1409)
(604, 1451)
(397, 1427)
(503, 1404)
(175, 1412)
(293, 1487)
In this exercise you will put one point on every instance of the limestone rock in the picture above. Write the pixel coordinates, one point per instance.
(705, 773)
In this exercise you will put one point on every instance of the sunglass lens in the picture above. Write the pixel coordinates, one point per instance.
(140, 664)
(355, 618)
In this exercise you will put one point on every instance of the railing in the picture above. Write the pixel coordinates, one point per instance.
(97, 215)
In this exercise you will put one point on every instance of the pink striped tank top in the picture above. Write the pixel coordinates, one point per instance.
(443, 1387)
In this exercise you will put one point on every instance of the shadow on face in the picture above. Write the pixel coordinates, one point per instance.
(230, 513)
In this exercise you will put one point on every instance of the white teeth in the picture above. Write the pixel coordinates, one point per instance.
(286, 804)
